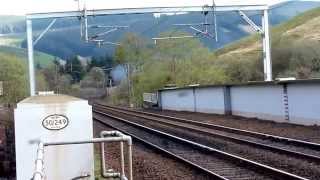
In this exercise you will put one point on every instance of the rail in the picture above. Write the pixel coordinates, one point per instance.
(106, 136)
(287, 140)
(275, 146)
(228, 157)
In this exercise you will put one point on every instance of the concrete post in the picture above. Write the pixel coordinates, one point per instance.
(266, 47)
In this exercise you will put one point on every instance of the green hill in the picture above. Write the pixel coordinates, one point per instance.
(304, 26)
(295, 51)
(40, 58)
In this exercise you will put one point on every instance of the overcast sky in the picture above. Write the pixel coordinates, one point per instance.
(21, 7)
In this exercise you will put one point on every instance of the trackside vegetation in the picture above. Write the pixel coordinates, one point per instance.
(182, 62)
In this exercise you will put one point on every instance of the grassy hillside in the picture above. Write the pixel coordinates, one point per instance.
(40, 58)
(295, 51)
(304, 26)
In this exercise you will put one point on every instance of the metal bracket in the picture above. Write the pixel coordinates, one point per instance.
(101, 42)
(171, 37)
(110, 29)
(199, 28)
(251, 23)
(44, 32)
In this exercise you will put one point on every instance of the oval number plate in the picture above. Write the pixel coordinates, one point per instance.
(55, 122)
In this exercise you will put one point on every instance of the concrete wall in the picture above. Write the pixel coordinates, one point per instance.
(178, 100)
(204, 100)
(264, 102)
(210, 100)
(296, 102)
(304, 104)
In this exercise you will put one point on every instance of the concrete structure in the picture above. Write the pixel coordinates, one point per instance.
(304, 103)
(185, 99)
(258, 101)
(281, 101)
(52, 118)
(210, 100)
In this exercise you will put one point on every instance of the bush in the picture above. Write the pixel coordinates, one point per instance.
(13, 75)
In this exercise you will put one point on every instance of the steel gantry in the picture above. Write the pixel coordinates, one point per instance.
(102, 12)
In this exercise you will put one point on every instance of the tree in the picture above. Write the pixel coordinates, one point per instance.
(75, 69)
(13, 75)
(95, 78)
(132, 50)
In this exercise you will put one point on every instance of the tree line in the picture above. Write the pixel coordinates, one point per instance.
(183, 62)
(64, 78)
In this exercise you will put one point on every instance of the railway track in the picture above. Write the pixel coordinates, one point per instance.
(297, 148)
(218, 164)
(305, 152)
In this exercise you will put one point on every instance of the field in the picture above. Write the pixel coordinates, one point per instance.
(40, 58)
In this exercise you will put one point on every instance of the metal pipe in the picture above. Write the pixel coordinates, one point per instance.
(172, 37)
(130, 158)
(95, 140)
(44, 32)
(122, 159)
(103, 164)
(32, 82)
(122, 173)
(38, 174)
(250, 22)
(104, 170)
(115, 136)
(100, 12)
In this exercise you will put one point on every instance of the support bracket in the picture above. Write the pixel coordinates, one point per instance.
(251, 23)
(44, 32)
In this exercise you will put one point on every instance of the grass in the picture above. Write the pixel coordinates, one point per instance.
(97, 164)
(40, 58)
(275, 31)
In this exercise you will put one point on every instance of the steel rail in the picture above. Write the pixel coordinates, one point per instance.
(226, 156)
(234, 139)
(296, 142)
(158, 148)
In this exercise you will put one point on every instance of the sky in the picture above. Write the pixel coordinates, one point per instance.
(22, 7)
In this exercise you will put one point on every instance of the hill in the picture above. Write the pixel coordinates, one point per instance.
(295, 49)
(304, 26)
(230, 27)
(40, 58)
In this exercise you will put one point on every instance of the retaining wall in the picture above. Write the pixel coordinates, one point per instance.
(295, 102)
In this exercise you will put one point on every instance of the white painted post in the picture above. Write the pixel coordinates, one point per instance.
(30, 58)
(86, 25)
(266, 47)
